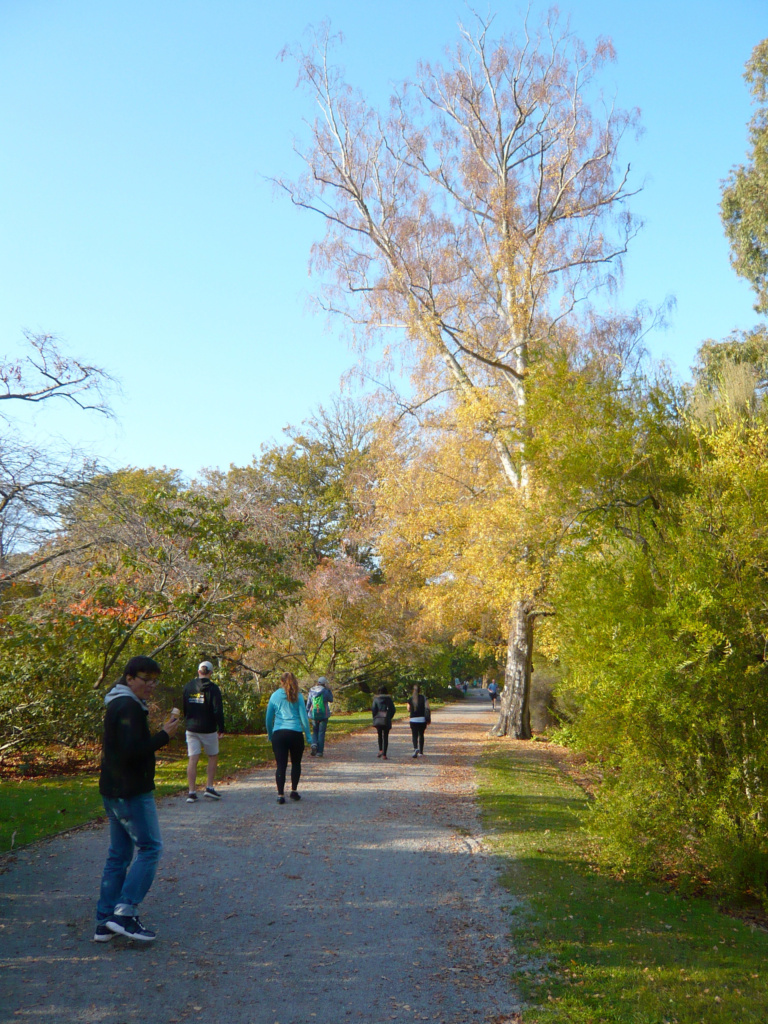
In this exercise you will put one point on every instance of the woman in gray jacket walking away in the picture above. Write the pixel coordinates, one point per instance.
(383, 711)
(287, 725)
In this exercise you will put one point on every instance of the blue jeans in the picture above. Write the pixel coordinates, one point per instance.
(133, 825)
(318, 734)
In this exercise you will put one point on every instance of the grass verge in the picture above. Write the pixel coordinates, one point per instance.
(32, 809)
(593, 949)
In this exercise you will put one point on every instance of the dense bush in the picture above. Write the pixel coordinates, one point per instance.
(244, 707)
(665, 643)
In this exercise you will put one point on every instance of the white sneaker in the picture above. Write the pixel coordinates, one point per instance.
(415, 753)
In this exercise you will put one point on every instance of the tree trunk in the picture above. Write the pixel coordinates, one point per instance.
(515, 714)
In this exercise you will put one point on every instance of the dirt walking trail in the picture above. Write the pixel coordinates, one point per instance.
(372, 899)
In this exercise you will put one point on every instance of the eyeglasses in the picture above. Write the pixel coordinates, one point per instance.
(150, 680)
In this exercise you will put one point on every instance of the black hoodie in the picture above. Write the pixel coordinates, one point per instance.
(383, 710)
(128, 750)
(203, 708)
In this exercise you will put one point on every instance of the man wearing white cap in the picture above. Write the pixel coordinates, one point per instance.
(204, 714)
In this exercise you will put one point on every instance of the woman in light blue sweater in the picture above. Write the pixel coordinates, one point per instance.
(287, 725)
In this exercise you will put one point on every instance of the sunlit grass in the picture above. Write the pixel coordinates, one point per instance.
(592, 949)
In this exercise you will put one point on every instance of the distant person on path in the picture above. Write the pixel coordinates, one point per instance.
(319, 700)
(493, 693)
(126, 782)
(204, 714)
(383, 711)
(418, 707)
(287, 725)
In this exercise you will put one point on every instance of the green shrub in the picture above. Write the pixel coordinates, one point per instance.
(245, 708)
(667, 679)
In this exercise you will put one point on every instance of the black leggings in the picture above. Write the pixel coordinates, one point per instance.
(383, 733)
(417, 732)
(287, 742)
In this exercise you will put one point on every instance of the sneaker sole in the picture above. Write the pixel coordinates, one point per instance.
(104, 938)
(212, 796)
(119, 930)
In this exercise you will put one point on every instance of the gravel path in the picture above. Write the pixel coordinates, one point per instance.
(371, 899)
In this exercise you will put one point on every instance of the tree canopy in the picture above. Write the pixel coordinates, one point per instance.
(477, 214)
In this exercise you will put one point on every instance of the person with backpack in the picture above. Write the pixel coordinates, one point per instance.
(287, 725)
(319, 700)
(420, 717)
(383, 711)
(204, 714)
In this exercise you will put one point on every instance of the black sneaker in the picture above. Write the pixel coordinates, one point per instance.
(191, 798)
(130, 927)
(102, 933)
(211, 792)
(281, 799)
(294, 795)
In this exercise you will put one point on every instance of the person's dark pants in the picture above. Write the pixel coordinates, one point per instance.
(383, 734)
(417, 733)
(287, 743)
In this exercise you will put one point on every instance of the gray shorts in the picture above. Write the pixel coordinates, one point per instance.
(197, 742)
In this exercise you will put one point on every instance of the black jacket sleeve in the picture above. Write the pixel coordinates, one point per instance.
(217, 706)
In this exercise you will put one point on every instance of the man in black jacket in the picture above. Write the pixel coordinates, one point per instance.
(126, 783)
(204, 714)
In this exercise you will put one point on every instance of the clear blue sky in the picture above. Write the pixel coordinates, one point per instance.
(135, 222)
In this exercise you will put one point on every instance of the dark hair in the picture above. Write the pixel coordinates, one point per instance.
(415, 695)
(382, 689)
(140, 664)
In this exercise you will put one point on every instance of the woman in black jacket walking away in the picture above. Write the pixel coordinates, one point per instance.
(383, 711)
(418, 706)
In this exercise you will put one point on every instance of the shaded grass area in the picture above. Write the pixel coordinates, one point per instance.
(594, 949)
(32, 809)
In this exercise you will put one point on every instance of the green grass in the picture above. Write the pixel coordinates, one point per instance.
(34, 809)
(591, 949)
